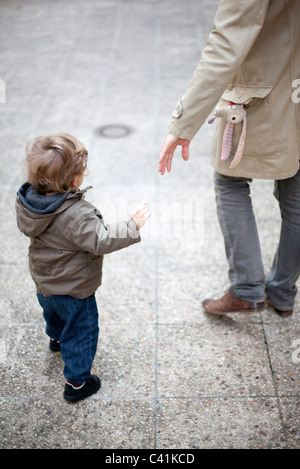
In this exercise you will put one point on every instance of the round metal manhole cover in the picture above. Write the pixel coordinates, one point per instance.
(113, 131)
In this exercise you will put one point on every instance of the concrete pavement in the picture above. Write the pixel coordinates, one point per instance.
(172, 376)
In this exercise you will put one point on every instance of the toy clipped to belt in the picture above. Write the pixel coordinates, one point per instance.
(233, 114)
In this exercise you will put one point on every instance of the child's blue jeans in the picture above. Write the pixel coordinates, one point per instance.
(74, 323)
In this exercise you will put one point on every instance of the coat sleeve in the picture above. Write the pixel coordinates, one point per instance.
(236, 27)
(93, 236)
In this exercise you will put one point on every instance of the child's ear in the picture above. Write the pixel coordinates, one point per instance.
(77, 181)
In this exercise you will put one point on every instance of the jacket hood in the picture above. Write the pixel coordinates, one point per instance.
(36, 211)
(39, 203)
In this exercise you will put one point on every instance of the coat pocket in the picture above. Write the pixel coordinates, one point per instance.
(246, 94)
(260, 139)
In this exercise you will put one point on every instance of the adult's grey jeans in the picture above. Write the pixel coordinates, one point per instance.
(242, 246)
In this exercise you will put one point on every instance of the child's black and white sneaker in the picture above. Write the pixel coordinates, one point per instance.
(75, 392)
(54, 345)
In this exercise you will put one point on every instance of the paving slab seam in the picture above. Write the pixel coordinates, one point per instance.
(273, 374)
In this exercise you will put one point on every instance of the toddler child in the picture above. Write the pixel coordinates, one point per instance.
(68, 239)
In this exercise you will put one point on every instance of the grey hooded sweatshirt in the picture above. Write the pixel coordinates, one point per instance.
(68, 239)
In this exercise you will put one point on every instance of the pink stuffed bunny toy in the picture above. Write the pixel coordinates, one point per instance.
(233, 114)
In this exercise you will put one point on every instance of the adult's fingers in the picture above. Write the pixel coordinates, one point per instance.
(186, 151)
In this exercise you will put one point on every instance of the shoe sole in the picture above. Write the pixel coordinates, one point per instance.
(238, 311)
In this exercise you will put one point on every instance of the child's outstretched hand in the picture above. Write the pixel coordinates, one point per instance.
(141, 215)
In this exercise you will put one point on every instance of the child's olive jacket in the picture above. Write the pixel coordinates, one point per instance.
(68, 239)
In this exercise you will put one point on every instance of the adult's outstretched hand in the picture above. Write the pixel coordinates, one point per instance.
(168, 149)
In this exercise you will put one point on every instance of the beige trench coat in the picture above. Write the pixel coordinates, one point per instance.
(252, 56)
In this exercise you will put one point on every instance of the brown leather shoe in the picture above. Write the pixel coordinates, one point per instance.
(283, 314)
(230, 304)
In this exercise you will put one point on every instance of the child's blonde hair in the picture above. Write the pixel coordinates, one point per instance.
(54, 161)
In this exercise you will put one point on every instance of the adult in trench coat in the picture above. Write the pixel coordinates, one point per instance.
(252, 58)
